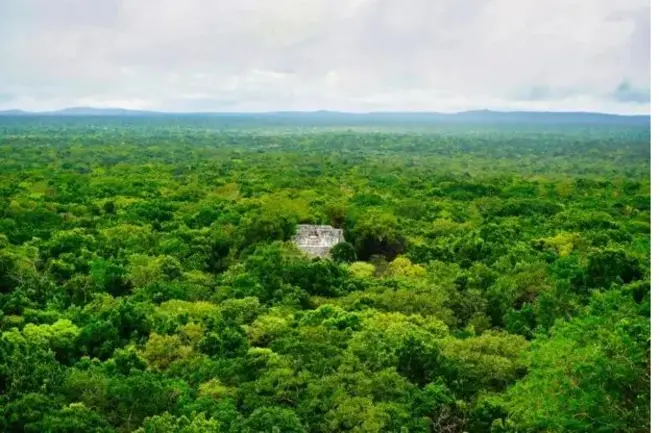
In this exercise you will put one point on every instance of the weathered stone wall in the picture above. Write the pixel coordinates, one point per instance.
(317, 241)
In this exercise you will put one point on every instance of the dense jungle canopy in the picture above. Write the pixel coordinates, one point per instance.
(494, 278)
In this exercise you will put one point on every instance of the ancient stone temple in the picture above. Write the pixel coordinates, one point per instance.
(317, 241)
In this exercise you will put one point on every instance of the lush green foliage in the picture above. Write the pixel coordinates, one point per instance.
(492, 279)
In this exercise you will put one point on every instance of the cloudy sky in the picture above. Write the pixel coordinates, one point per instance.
(354, 55)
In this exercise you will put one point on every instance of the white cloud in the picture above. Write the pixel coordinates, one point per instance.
(440, 55)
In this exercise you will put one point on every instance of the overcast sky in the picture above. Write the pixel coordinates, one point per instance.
(354, 55)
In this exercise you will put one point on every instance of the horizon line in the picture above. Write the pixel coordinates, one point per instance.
(313, 111)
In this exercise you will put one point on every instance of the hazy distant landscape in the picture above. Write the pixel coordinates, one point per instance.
(335, 117)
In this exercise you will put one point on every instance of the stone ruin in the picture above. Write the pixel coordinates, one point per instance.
(317, 241)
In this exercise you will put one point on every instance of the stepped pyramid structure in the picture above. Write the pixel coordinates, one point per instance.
(317, 241)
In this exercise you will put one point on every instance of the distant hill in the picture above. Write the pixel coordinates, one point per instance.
(91, 111)
(82, 111)
(380, 117)
(550, 117)
(15, 113)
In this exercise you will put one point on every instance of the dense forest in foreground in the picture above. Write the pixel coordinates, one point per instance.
(493, 278)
